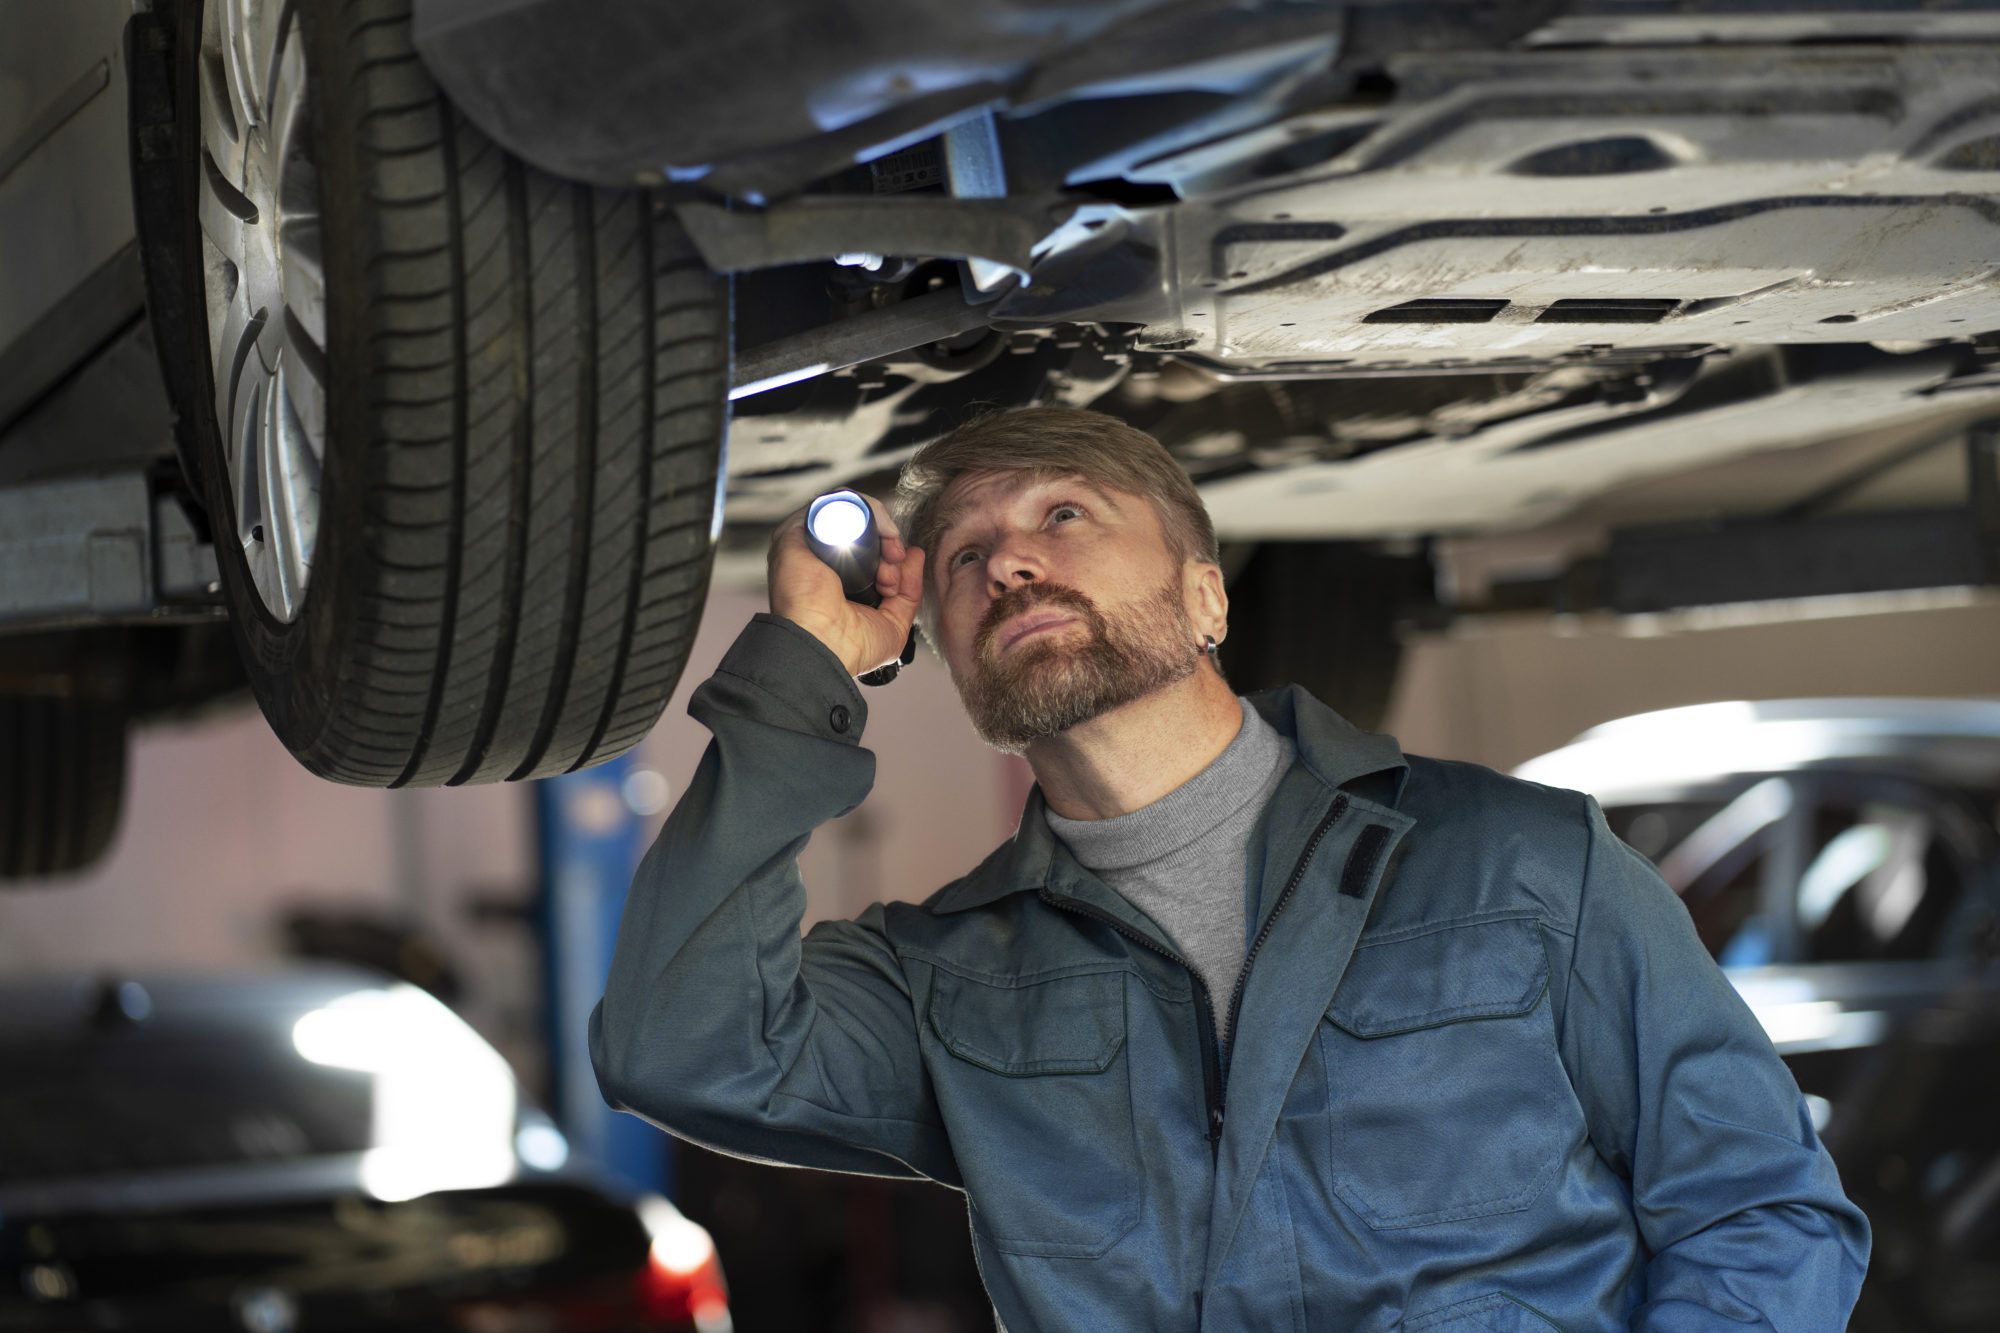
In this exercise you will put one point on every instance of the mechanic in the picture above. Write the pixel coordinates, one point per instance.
(1255, 1022)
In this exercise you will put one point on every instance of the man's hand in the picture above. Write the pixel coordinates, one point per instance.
(805, 591)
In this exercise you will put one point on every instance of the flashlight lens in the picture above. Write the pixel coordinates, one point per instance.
(839, 522)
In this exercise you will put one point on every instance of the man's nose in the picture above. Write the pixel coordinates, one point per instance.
(1013, 563)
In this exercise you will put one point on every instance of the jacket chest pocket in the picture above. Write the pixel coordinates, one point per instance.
(1037, 1094)
(1447, 1098)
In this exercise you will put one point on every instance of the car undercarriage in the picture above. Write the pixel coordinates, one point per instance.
(446, 361)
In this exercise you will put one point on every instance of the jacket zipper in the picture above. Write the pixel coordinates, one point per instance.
(1212, 1072)
(1326, 822)
(1211, 1056)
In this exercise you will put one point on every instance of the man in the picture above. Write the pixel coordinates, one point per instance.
(1255, 1023)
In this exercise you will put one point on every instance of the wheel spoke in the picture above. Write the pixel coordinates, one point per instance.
(287, 93)
(250, 406)
(304, 278)
(253, 29)
(245, 471)
(223, 211)
(220, 135)
(234, 41)
(235, 357)
(265, 33)
(291, 477)
(305, 378)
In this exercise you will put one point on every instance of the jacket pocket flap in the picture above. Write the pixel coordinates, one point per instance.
(1063, 1025)
(1491, 969)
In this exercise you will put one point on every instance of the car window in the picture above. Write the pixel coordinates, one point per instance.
(1724, 906)
(1715, 854)
(1654, 830)
(144, 1100)
(1875, 871)
(1879, 883)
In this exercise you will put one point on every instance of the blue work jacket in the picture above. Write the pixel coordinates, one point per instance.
(1483, 1077)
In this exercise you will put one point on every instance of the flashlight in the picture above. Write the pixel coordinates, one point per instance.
(840, 528)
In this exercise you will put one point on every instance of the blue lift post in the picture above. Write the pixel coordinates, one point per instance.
(590, 845)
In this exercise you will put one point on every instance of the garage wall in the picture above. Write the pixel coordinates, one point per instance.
(1501, 690)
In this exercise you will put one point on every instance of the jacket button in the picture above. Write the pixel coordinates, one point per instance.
(839, 718)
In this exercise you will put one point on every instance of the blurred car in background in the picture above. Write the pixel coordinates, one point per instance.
(1841, 860)
(314, 1150)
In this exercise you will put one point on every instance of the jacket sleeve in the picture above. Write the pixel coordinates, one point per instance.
(718, 1023)
(1739, 1205)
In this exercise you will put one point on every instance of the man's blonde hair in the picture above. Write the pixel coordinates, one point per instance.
(1055, 442)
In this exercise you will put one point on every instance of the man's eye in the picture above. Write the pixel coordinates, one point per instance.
(1063, 513)
(965, 556)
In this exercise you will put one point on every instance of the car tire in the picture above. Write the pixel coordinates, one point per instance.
(1323, 615)
(524, 385)
(62, 783)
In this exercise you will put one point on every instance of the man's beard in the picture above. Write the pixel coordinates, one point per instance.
(1046, 686)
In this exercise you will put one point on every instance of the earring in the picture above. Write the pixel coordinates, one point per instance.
(1209, 645)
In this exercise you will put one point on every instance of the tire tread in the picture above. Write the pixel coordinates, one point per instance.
(543, 369)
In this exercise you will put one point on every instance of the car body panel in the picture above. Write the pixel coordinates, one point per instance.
(1649, 755)
(571, 84)
(65, 186)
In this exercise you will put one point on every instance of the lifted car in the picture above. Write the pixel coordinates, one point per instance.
(403, 336)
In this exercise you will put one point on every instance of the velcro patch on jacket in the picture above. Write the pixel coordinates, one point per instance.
(1360, 867)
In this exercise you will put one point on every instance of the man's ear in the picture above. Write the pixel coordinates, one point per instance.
(1207, 599)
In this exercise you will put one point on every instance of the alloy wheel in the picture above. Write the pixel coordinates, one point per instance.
(265, 288)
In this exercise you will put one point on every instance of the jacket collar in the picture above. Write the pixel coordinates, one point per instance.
(1331, 748)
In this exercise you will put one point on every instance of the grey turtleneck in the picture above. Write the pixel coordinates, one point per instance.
(1181, 860)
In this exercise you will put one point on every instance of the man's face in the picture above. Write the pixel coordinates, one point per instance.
(1055, 601)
